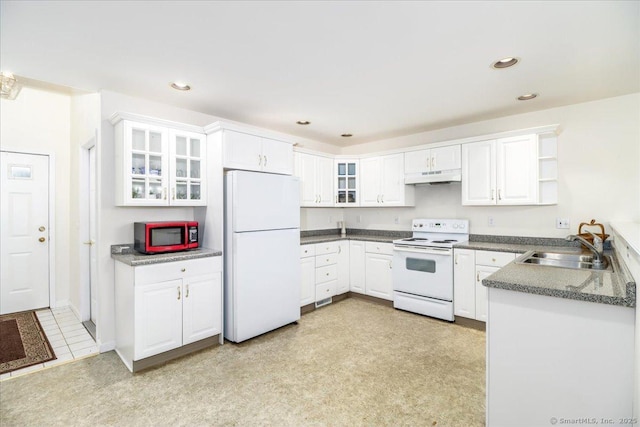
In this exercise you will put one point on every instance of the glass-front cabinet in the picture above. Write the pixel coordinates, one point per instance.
(346, 182)
(147, 164)
(158, 166)
(187, 173)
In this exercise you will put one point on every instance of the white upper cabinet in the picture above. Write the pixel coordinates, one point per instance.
(316, 179)
(346, 183)
(478, 173)
(382, 182)
(516, 170)
(188, 176)
(158, 165)
(434, 159)
(500, 172)
(252, 152)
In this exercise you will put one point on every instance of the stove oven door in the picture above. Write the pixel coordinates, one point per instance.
(425, 272)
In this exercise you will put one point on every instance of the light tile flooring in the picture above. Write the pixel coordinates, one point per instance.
(68, 338)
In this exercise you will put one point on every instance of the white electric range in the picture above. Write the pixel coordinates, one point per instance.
(423, 267)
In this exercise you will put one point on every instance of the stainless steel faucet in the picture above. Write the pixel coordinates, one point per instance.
(598, 257)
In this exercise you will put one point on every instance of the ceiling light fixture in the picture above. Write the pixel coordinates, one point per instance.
(527, 96)
(507, 62)
(180, 86)
(8, 87)
(303, 122)
(346, 135)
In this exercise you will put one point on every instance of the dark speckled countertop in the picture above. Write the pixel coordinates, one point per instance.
(130, 257)
(615, 287)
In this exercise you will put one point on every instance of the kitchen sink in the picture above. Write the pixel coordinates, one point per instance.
(562, 260)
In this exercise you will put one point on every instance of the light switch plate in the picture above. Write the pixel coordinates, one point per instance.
(562, 223)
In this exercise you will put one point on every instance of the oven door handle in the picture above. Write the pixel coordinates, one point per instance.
(430, 251)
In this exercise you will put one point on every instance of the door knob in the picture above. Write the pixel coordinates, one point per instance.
(41, 228)
(42, 239)
(90, 242)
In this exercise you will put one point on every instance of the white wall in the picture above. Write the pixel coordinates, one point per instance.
(320, 218)
(85, 124)
(38, 121)
(599, 173)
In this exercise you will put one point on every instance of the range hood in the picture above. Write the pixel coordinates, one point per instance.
(435, 177)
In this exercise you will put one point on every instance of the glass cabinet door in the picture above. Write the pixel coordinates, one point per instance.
(187, 168)
(148, 156)
(347, 182)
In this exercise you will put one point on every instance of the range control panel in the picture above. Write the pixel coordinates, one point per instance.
(441, 225)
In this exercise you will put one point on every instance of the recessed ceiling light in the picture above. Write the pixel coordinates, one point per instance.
(527, 96)
(180, 86)
(303, 122)
(507, 62)
(346, 135)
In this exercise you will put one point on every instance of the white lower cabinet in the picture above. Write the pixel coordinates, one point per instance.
(470, 268)
(162, 307)
(357, 267)
(378, 265)
(325, 271)
(342, 286)
(464, 295)
(308, 280)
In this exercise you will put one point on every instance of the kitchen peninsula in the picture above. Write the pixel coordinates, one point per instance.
(559, 345)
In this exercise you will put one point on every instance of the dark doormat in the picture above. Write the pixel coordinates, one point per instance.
(22, 342)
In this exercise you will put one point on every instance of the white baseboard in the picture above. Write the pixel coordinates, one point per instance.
(106, 346)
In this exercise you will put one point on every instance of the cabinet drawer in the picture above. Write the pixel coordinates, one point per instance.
(327, 248)
(307, 251)
(328, 259)
(379, 248)
(176, 270)
(326, 273)
(326, 290)
(494, 259)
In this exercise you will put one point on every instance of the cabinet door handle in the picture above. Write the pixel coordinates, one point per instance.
(178, 292)
(478, 276)
(265, 160)
(382, 198)
(186, 294)
(339, 249)
(493, 193)
(336, 199)
(390, 265)
(378, 198)
(164, 192)
(499, 194)
(173, 193)
(183, 269)
(456, 259)
(433, 163)
(259, 160)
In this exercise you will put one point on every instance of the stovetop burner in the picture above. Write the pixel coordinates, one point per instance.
(436, 233)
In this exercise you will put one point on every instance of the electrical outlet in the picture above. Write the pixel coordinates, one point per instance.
(490, 221)
(396, 220)
(563, 223)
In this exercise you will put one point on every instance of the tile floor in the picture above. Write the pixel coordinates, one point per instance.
(69, 339)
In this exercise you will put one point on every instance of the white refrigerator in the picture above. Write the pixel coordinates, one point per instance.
(262, 251)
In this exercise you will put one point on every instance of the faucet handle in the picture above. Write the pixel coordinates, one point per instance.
(597, 241)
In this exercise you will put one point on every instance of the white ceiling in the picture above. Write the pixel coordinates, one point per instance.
(373, 69)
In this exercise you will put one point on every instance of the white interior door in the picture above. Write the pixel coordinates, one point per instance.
(93, 263)
(24, 241)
